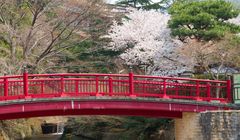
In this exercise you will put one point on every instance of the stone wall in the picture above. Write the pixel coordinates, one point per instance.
(188, 127)
(219, 125)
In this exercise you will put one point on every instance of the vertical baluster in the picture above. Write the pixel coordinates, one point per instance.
(5, 87)
(208, 91)
(25, 84)
(76, 87)
(131, 85)
(165, 89)
(197, 91)
(62, 86)
(110, 80)
(42, 88)
(97, 86)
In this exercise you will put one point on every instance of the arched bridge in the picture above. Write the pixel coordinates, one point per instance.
(33, 95)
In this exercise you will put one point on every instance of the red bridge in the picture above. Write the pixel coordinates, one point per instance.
(33, 95)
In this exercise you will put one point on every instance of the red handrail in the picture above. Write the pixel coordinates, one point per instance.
(126, 85)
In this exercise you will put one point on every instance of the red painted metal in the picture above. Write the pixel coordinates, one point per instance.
(96, 85)
(131, 84)
(25, 83)
(110, 86)
(229, 94)
(62, 85)
(74, 106)
(159, 114)
(5, 87)
(208, 91)
(165, 89)
(76, 86)
(123, 85)
(197, 91)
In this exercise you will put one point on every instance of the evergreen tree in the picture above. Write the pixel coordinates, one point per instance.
(146, 4)
(202, 20)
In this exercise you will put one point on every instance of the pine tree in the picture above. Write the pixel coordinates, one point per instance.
(146, 4)
(202, 20)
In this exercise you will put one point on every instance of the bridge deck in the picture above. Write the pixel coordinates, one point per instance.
(32, 95)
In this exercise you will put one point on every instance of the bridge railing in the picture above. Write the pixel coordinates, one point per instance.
(122, 85)
(183, 88)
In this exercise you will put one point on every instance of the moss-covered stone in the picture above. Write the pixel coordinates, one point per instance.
(18, 129)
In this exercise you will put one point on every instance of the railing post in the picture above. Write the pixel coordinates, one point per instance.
(110, 86)
(62, 87)
(5, 87)
(131, 85)
(198, 91)
(165, 89)
(42, 89)
(25, 83)
(97, 84)
(208, 91)
(76, 87)
(229, 92)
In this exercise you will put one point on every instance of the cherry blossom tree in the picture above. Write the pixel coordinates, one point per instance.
(235, 21)
(144, 39)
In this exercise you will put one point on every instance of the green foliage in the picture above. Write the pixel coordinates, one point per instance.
(203, 20)
(236, 3)
(145, 4)
(123, 128)
(50, 15)
(209, 76)
(82, 51)
(82, 46)
(16, 14)
(84, 57)
(4, 48)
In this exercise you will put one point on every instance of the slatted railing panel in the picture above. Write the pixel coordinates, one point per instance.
(58, 85)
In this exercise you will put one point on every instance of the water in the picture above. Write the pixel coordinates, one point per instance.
(45, 137)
